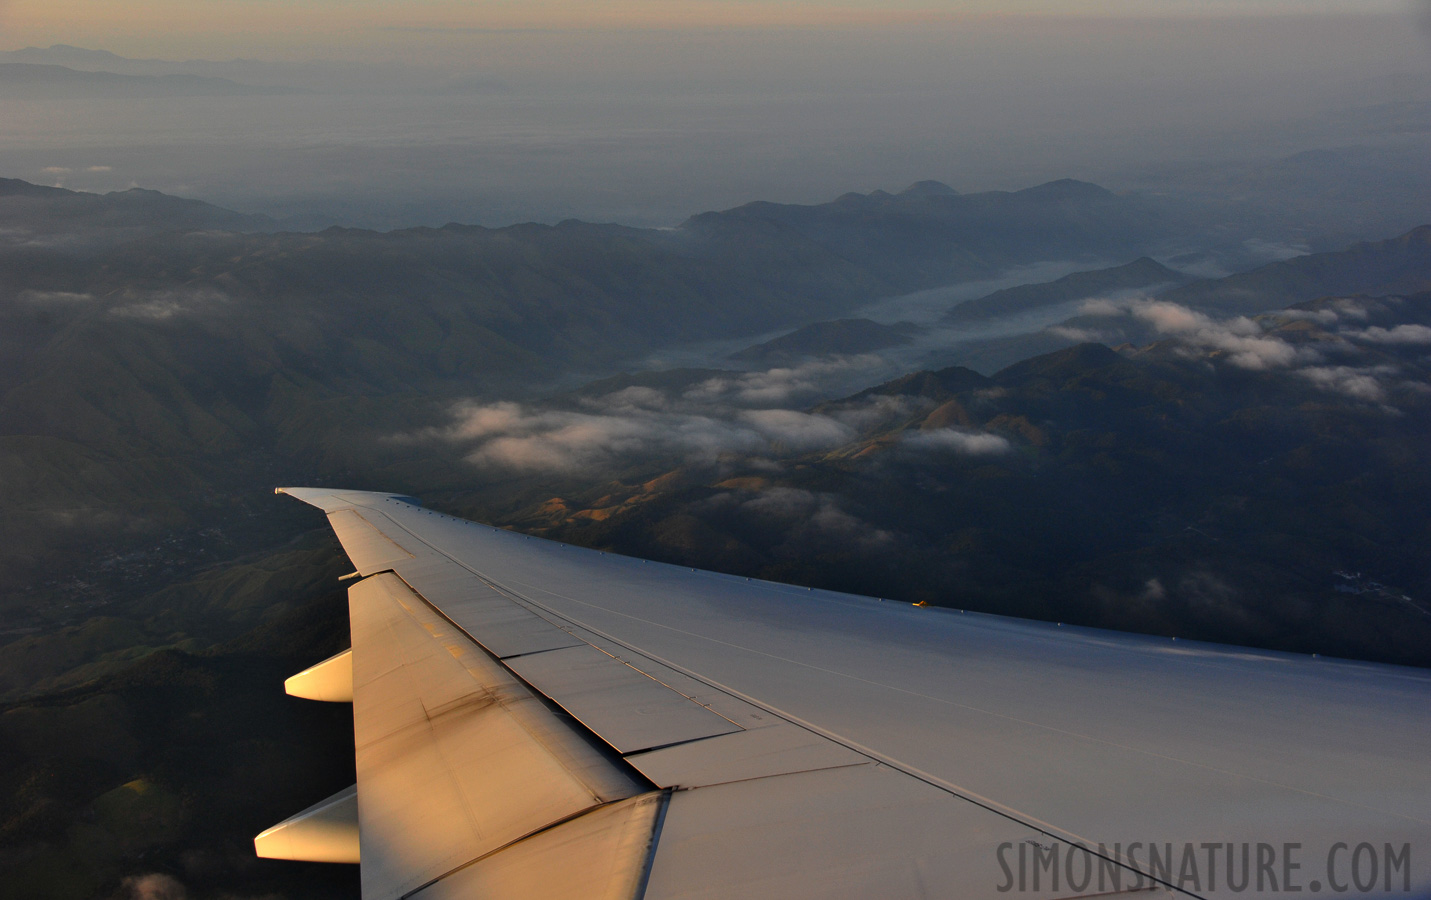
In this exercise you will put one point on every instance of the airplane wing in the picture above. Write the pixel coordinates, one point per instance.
(534, 719)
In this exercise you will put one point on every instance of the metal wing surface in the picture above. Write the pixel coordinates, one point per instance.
(539, 720)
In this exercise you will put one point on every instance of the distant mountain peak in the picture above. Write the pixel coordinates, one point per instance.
(65, 54)
(121, 212)
(71, 48)
(1065, 363)
(938, 386)
(929, 188)
(15, 187)
(1067, 189)
(1150, 266)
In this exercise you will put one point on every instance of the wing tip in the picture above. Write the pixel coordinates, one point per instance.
(329, 499)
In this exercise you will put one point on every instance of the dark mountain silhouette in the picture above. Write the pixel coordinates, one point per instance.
(933, 236)
(1399, 265)
(39, 217)
(65, 55)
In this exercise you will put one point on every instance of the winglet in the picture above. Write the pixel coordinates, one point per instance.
(330, 680)
(327, 831)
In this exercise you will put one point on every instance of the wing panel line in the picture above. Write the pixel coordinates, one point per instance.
(1019, 817)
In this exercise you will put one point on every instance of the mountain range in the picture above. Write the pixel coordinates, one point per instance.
(154, 364)
(1396, 266)
(155, 359)
(38, 220)
(1259, 483)
(1236, 459)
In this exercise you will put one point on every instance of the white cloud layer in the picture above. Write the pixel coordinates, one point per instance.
(745, 413)
(778, 386)
(1251, 344)
(41, 298)
(1400, 334)
(969, 443)
(809, 514)
(633, 426)
(749, 414)
(161, 305)
(1240, 338)
(1357, 383)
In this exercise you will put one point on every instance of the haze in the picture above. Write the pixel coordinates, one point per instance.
(435, 113)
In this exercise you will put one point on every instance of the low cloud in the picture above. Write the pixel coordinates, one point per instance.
(1347, 308)
(968, 443)
(150, 309)
(809, 514)
(510, 436)
(1320, 316)
(747, 414)
(42, 298)
(779, 386)
(1101, 306)
(1248, 343)
(161, 305)
(1082, 335)
(635, 426)
(879, 411)
(634, 397)
(1274, 251)
(754, 416)
(795, 430)
(1359, 384)
(1240, 338)
(1400, 334)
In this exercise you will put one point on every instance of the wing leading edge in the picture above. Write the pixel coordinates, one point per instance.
(752, 739)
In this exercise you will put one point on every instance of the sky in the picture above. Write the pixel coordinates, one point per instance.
(387, 114)
(327, 28)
